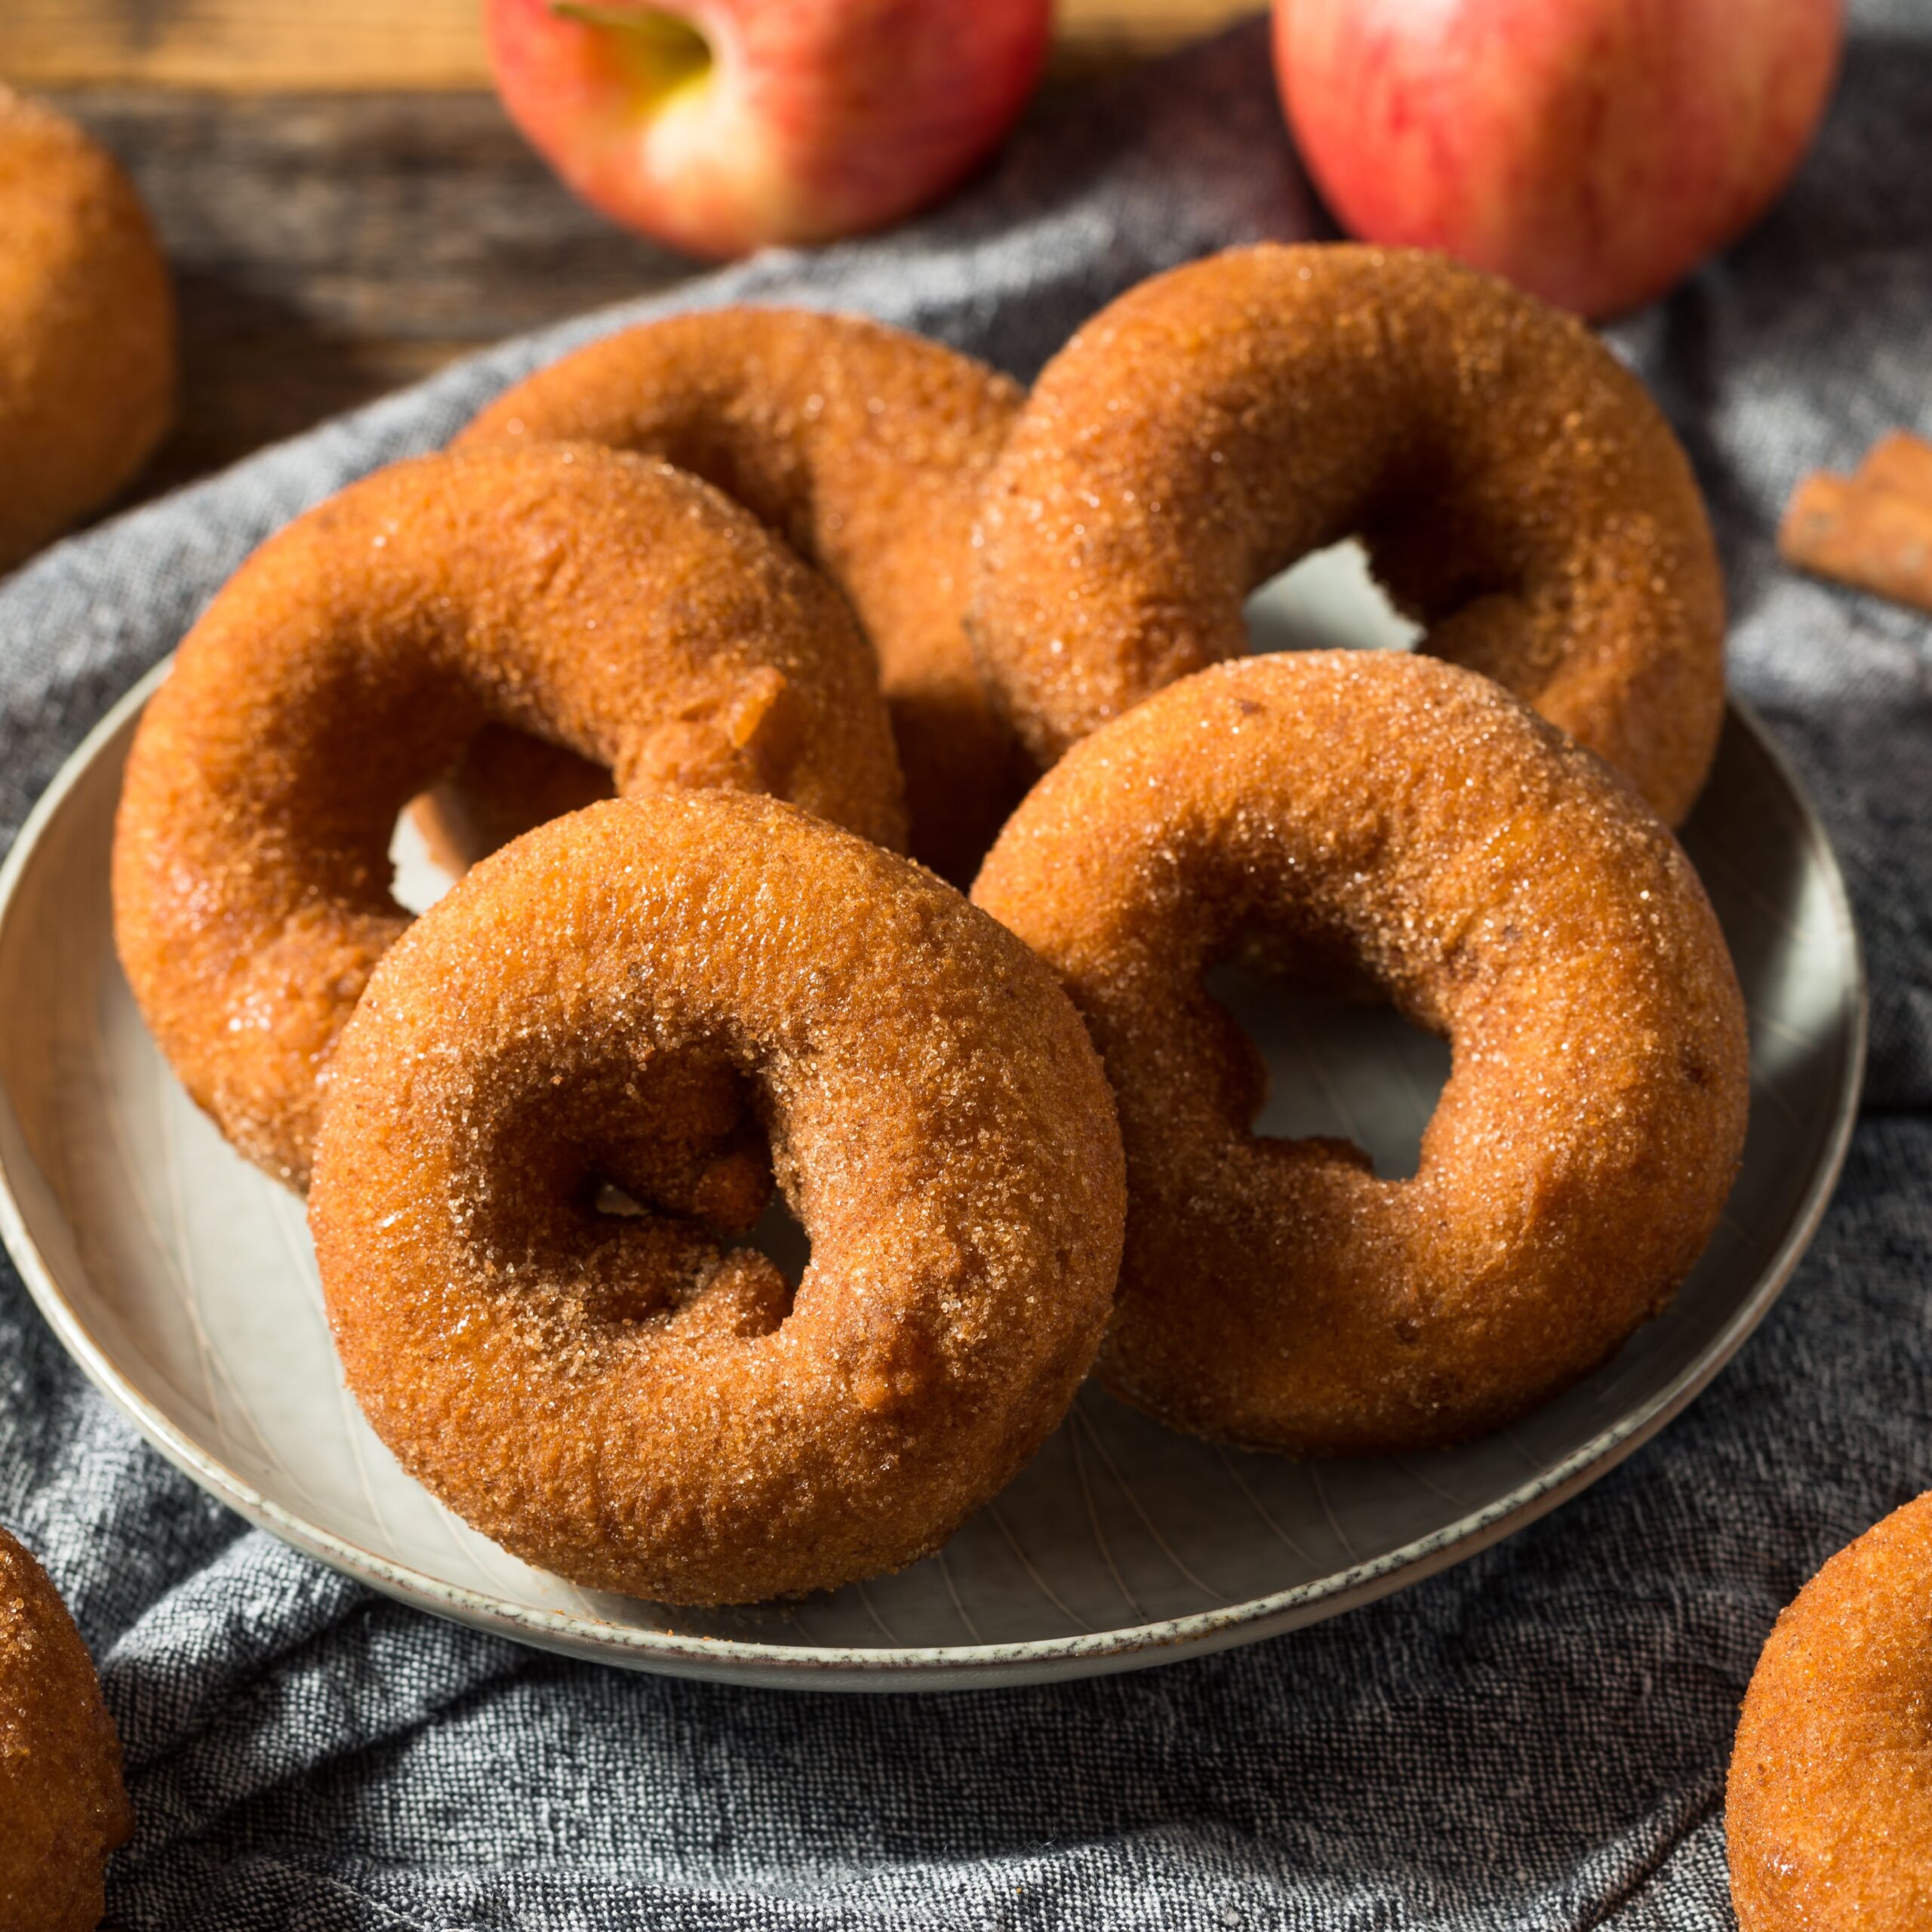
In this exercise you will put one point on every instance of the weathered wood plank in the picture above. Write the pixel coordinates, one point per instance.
(312, 45)
(328, 248)
(399, 214)
(243, 44)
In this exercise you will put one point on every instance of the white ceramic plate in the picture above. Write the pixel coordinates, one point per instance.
(182, 1280)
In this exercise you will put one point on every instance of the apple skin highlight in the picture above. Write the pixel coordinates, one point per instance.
(719, 126)
(1593, 151)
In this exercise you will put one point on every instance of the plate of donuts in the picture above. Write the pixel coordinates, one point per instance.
(182, 1280)
(571, 1159)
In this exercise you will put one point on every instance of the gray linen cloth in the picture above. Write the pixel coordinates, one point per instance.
(1536, 1739)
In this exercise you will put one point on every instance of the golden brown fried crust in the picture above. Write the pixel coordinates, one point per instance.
(1503, 889)
(866, 447)
(1828, 1814)
(87, 328)
(1516, 488)
(631, 1401)
(616, 605)
(63, 1808)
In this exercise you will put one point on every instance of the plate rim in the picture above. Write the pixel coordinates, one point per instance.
(858, 1668)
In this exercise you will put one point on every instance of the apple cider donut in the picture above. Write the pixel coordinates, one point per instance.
(1503, 889)
(617, 606)
(1827, 1814)
(87, 328)
(1515, 487)
(866, 448)
(627, 1400)
(62, 1806)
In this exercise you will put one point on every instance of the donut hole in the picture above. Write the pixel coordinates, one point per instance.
(1343, 1063)
(419, 875)
(1329, 600)
(636, 1183)
(505, 782)
(779, 1235)
(781, 1239)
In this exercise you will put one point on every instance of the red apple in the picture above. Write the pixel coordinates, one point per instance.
(1592, 151)
(719, 126)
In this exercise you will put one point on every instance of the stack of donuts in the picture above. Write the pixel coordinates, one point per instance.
(853, 769)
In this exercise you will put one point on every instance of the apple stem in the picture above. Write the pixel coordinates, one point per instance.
(678, 51)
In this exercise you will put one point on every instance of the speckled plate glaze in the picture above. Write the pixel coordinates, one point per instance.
(182, 1282)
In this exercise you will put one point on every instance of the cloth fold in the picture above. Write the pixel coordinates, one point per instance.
(1536, 1739)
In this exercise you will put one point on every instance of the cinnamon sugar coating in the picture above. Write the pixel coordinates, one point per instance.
(1501, 888)
(62, 1807)
(87, 328)
(1516, 489)
(866, 447)
(1828, 1812)
(617, 606)
(632, 1401)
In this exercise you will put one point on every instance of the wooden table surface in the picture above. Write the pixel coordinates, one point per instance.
(344, 203)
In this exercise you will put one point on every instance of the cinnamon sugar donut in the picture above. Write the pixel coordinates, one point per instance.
(1828, 1814)
(618, 606)
(87, 328)
(1501, 888)
(1515, 487)
(62, 1807)
(866, 447)
(629, 1401)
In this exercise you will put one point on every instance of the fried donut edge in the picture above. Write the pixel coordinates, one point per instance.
(87, 328)
(866, 447)
(1503, 889)
(632, 1402)
(1516, 488)
(1828, 1816)
(618, 606)
(63, 1806)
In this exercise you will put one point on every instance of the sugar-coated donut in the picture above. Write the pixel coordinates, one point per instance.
(1827, 1812)
(87, 328)
(866, 447)
(617, 605)
(1516, 489)
(62, 1807)
(1503, 889)
(627, 1400)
